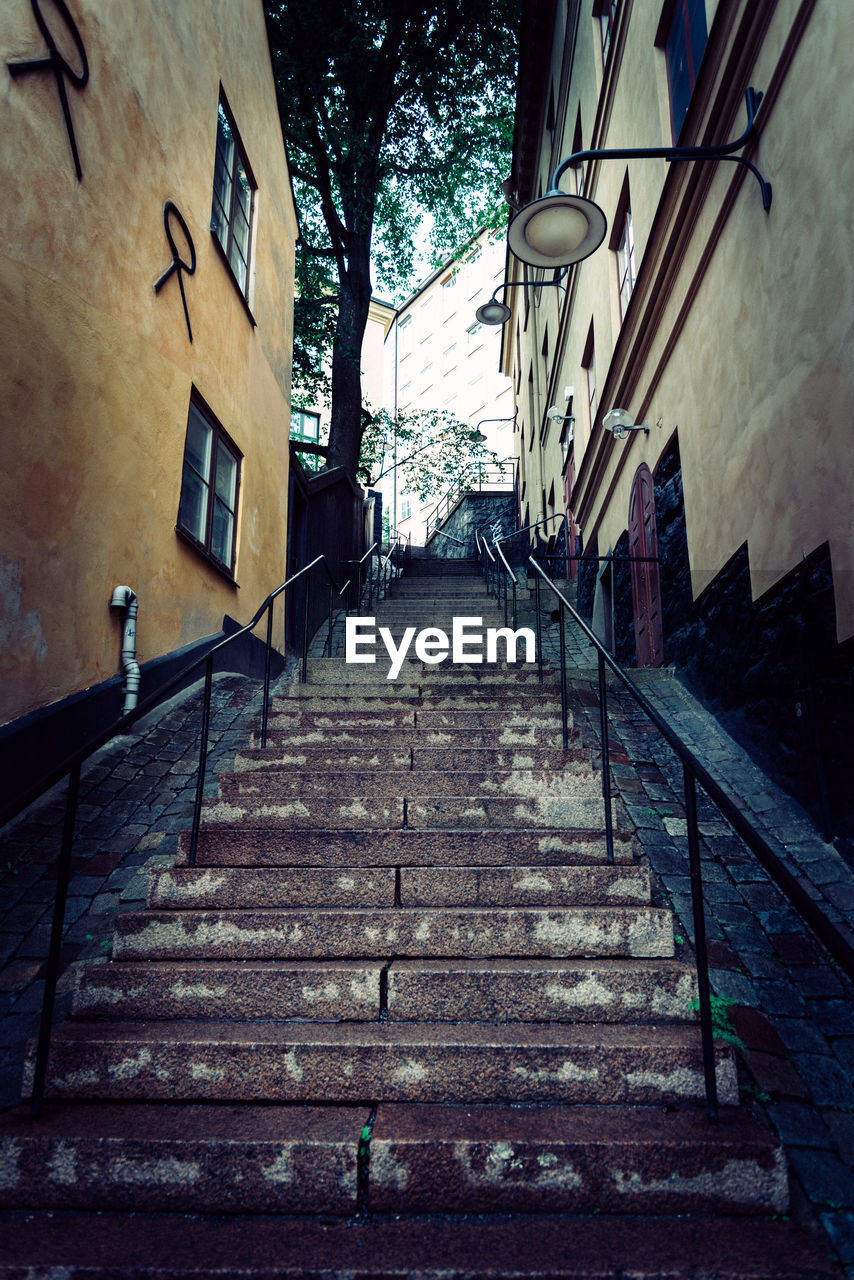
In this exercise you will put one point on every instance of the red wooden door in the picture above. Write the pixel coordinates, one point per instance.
(646, 591)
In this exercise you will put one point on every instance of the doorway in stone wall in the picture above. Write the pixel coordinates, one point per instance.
(646, 590)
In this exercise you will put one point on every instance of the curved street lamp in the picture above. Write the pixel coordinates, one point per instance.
(559, 229)
(495, 312)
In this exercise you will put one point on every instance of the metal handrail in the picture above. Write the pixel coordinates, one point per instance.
(770, 857)
(71, 768)
(461, 484)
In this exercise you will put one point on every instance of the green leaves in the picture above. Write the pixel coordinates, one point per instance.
(430, 449)
(390, 109)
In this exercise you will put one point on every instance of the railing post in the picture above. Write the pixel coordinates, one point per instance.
(703, 989)
(331, 609)
(606, 758)
(267, 656)
(514, 604)
(539, 629)
(563, 691)
(52, 968)
(304, 674)
(203, 760)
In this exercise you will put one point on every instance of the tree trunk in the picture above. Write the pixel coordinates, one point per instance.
(345, 432)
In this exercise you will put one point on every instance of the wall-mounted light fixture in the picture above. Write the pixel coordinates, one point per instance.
(495, 312)
(619, 422)
(560, 229)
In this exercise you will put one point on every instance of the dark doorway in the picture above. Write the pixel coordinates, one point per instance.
(646, 591)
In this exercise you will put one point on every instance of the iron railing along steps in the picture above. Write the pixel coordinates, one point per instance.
(468, 1063)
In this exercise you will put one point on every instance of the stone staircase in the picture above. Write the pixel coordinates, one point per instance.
(403, 1004)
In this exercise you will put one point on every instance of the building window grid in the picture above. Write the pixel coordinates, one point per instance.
(210, 484)
(233, 199)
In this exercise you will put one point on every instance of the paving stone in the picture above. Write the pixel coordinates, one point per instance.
(829, 1084)
(826, 1179)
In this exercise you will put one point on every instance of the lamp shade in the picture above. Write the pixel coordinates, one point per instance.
(493, 312)
(557, 230)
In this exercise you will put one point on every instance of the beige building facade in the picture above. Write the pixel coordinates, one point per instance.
(146, 272)
(723, 327)
(440, 356)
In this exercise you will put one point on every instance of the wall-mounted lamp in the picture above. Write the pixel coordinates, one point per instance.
(560, 229)
(495, 312)
(619, 422)
(554, 415)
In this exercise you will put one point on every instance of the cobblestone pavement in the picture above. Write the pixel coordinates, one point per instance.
(791, 1008)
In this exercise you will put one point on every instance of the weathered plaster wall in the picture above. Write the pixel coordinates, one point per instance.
(97, 370)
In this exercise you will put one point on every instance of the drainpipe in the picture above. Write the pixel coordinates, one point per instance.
(125, 598)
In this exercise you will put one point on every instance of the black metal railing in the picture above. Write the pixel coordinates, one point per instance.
(473, 479)
(71, 768)
(693, 773)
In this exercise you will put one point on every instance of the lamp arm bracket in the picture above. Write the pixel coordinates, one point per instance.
(530, 284)
(720, 152)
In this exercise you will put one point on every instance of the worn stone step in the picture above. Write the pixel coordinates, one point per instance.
(493, 1159)
(268, 887)
(225, 845)
(272, 783)
(338, 756)
(271, 887)
(147, 1158)
(293, 740)
(341, 933)
(85, 1246)
(523, 886)
(393, 1062)
(523, 990)
(384, 693)
(323, 991)
(325, 758)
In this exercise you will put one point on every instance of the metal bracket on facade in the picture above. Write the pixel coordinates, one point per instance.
(722, 152)
(178, 264)
(56, 63)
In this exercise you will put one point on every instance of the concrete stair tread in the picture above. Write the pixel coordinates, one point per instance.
(341, 932)
(428, 1158)
(230, 989)
(440, 990)
(423, 1158)
(446, 885)
(222, 844)
(535, 1247)
(573, 776)
(282, 758)
(485, 811)
(393, 1062)
(145, 1156)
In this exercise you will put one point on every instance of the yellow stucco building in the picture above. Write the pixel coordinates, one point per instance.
(146, 272)
(722, 326)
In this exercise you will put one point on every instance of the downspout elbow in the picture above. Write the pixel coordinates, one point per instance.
(125, 598)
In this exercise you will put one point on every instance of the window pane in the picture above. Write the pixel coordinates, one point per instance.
(199, 437)
(194, 504)
(226, 476)
(221, 534)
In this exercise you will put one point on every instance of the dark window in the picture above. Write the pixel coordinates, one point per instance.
(606, 11)
(232, 205)
(210, 483)
(683, 51)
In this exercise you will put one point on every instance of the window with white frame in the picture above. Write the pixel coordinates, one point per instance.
(625, 251)
(233, 200)
(210, 483)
